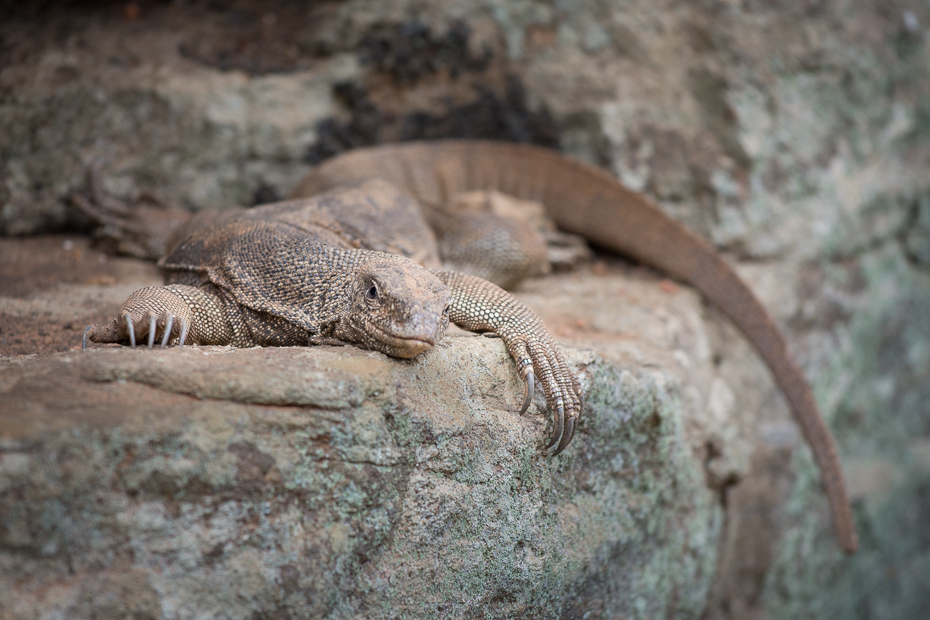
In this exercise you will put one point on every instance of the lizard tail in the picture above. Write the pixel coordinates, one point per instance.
(590, 202)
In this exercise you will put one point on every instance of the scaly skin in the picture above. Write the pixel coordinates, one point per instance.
(479, 305)
(277, 276)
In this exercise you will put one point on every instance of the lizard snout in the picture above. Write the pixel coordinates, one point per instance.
(400, 308)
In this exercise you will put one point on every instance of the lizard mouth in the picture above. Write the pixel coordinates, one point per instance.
(402, 346)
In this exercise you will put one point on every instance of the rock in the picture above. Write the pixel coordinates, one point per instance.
(335, 482)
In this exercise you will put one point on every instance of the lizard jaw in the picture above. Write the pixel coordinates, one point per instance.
(398, 346)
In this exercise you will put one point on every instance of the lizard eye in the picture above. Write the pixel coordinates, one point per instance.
(372, 293)
(445, 311)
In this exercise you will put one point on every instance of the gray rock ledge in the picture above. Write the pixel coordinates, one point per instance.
(339, 483)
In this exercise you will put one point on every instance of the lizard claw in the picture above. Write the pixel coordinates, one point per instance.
(571, 421)
(152, 313)
(570, 424)
(557, 429)
(169, 323)
(132, 331)
(183, 336)
(529, 384)
(153, 321)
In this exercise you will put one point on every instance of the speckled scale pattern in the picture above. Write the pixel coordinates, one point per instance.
(500, 249)
(204, 314)
(298, 273)
(481, 306)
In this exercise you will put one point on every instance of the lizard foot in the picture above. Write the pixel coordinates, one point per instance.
(165, 323)
(153, 312)
(478, 305)
(563, 392)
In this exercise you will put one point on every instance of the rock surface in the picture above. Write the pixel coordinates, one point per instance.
(793, 134)
(340, 483)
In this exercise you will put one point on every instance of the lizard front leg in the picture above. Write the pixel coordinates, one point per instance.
(189, 315)
(478, 305)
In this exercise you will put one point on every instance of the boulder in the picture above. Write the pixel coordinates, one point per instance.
(340, 483)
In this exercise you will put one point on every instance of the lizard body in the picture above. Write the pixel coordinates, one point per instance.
(331, 269)
(590, 202)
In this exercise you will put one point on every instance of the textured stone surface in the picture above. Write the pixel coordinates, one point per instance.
(334, 482)
(791, 133)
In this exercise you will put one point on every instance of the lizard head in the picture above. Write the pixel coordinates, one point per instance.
(396, 307)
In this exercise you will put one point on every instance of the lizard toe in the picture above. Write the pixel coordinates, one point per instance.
(570, 424)
(529, 384)
(183, 337)
(130, 329)
(169, 323)
(559, 424)
(153, 322)
(102, 332)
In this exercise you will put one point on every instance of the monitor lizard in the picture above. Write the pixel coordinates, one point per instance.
(580, 198)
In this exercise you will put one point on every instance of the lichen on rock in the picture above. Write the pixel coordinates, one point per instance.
(330, 482)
